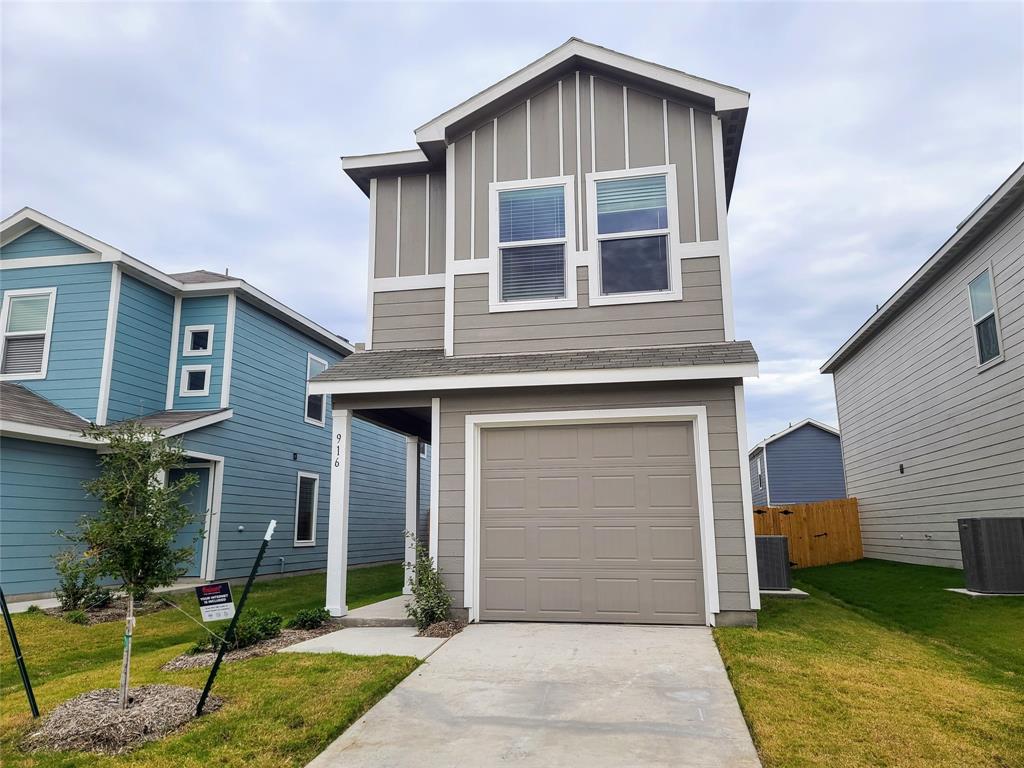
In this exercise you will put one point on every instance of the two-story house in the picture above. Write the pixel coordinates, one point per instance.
(550, 306)
(930, 392)
(90, 334)
(806, 460)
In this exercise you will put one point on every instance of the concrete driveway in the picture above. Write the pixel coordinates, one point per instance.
(557, 695)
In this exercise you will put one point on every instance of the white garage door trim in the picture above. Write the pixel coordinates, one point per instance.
(697, 414)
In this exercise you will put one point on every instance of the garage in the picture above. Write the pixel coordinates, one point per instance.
(590, 523)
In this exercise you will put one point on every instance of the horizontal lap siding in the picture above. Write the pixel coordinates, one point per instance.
(38, 242)
(725, 473)
(142, 345)
(377, 500)
(758, 494)
(804, 466)
(411, 319)
(41, 492)
(202, 310)
(914, 396)
(696, 319)
(79, 331)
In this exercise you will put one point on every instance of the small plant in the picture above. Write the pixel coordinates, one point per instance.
(77, 588)
(254, 626)
(430, 602)
(33, 609)
(76, 617)
(309, 618)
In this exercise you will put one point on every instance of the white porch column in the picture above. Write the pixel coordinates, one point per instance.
(412, 503)
(337, 534)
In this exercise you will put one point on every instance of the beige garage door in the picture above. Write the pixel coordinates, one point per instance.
(590, 523)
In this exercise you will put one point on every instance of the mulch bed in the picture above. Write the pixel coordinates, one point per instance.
(93, 722)
(443, 629)
(114, 610)
(265, 648)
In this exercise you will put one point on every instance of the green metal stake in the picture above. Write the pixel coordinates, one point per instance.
(17, 656)
(230, 634)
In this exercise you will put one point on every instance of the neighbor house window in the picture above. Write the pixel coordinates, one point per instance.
(532, 242)
(985, 317)
(633, 234)
(195, 381)
(314, 403)
(198, 340)
(760, 474)
(26, 319)
(306, 498)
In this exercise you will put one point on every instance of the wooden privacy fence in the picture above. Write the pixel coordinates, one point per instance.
(819, 533)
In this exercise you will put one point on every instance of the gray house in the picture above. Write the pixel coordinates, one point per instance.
(806, 463)
(550, 307)
(930, 391)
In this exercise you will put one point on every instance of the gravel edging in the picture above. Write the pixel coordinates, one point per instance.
(115, 611)
(448, 628)
(264, 648)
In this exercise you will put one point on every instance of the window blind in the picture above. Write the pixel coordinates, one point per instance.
(531, 214)
(533, 272)
(28, 313)
(23, 354)
(632, 205)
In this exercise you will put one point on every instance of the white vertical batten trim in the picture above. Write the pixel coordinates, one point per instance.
(580, 243)
(693, 164)
(664, 128)
(412, 474)
(426, 228)
(748, 503)
(398, 229)
(625, 124)
(494, 151)
(472, 195)
(561, 132)
(435, 474)
(106, 373)
(529, 148)
(718, 155)
(337, 531)
(172, 360)
(593, 131)
(449, 249)
(371, 264)
(212, 541)
(229, 351)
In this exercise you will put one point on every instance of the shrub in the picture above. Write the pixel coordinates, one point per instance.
(76, 617)
(254, 626)
(309, 618)
(77, 588)
(430, 602)
(33, 609)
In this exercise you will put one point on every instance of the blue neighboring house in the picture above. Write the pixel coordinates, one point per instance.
(798, 465)
(91, 334)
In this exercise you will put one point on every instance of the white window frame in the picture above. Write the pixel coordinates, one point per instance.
(310, 357)
(569, 241)
(51, 293)
(187, 351)
(316, 503)
(760, 474)
(974, 323)
(675, 251)
(184, 391)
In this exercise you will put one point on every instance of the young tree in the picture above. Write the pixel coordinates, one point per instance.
(132, 537)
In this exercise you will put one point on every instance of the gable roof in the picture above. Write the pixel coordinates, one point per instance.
(20, 405)
(968, 232)
(793, 428)
(197, 282)
(729, 103)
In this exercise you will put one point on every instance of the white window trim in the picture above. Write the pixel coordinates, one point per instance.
(51, 294)
(310, 357)
(675, 251)
(974, 323)
(186, 350)
(183, 390)
(494, 286)
(316, 503)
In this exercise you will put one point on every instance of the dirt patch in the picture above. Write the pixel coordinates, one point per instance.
(265, 648)
(93, 722)
(443, 629)
(113, 611)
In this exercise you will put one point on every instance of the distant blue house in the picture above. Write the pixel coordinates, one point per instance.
(800, 464)
(90, 334)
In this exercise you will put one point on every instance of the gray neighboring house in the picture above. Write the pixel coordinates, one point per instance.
(800, 464)
(930, 392)
(550, 306)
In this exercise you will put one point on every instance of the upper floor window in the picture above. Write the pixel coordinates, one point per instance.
(534, 240)
(314, 403)
(633, 234)
(198, 340)
(195, 381)
(27, 321)
(985, 318)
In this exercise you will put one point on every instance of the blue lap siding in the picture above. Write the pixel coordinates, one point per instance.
(40, 241)
(804, 466)
(203, 310)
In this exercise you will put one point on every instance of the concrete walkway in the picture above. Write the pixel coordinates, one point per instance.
(557, 694)
(371, 641)
(386, 613)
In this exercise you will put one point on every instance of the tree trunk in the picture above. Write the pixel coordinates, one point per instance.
(126, 658)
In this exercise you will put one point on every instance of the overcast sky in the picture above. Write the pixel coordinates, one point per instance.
(207, 136)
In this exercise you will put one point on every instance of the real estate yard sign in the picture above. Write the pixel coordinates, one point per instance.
(215, 601)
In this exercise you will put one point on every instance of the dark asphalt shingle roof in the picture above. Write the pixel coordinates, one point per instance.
(167, 419)
(200, 276)
(24, 406)
(414, 363)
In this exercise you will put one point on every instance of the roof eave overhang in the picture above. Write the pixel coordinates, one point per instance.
(362, 168)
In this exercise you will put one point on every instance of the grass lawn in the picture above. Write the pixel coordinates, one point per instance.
(882, 667)
(280, 710)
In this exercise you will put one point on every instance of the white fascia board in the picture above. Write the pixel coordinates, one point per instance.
(47, 434)
(725, 97)
(205, 421)
(383, 159)
(28, 218)
(536, 379)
